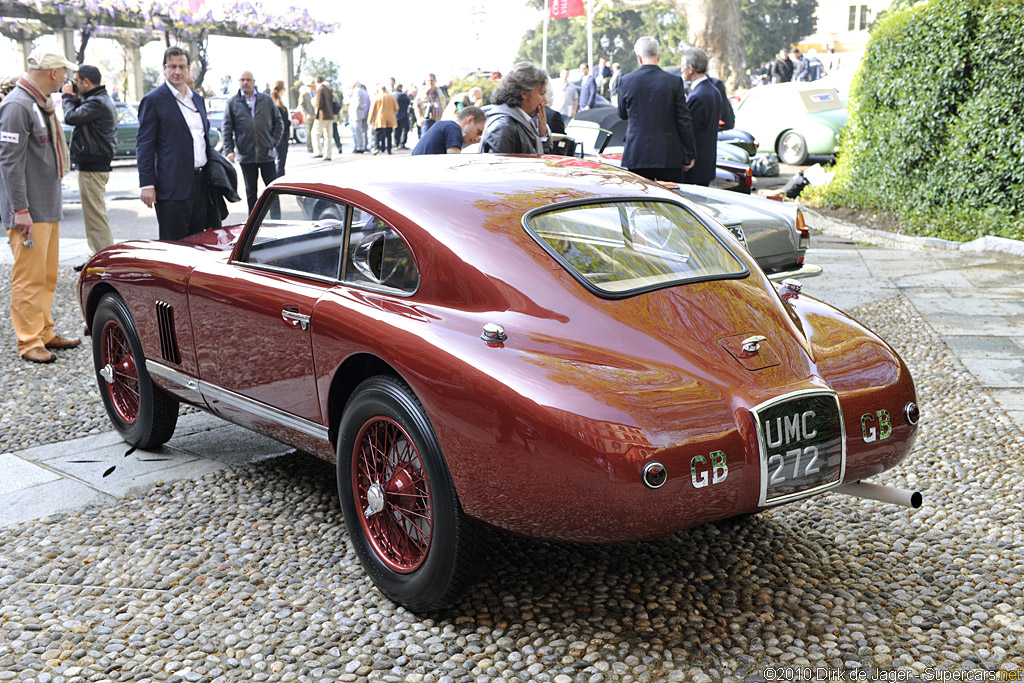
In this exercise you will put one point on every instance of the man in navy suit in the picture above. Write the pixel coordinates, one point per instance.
(705, 104)
(588, 88)
(659, 136)
(172, 149)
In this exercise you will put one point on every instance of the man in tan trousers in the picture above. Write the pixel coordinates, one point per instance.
(324, 105)
(89, 109)
(33, 159)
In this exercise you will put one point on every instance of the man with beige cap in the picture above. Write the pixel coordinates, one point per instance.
(33, 159)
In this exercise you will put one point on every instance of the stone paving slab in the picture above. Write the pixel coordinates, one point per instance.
(978, 346)
(100, 468)
(972, 300)
(49, 498)
(20, 474)
(121, 471)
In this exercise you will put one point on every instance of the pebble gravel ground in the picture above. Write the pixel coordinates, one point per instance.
(46, 403)
(249, 577)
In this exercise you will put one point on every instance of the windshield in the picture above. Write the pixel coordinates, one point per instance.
(629, 246)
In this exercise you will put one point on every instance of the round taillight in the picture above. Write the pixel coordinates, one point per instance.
(912, 413)
(655, 475)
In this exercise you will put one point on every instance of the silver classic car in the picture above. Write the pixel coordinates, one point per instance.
(773, 232)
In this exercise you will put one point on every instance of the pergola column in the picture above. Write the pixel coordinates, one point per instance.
(136, 84)
(66, 42)
(24, 50)
(288, 66)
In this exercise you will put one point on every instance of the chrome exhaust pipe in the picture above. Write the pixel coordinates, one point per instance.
(884, 494)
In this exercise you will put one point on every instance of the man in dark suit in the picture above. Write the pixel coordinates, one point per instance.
(728, 120)
(705, 104)
(588, 88)
(172, 148)
(659, 135)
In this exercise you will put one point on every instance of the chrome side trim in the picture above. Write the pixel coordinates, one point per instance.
(244, 403)
(172, 375)
(805, 270)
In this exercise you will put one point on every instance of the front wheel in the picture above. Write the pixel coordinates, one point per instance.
(793, 148)
(299, 133)
(401, 509)
(143, 414)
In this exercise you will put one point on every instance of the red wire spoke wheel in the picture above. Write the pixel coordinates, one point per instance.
(142, 413)
(118, 361)
(394, 493)
(401, 509)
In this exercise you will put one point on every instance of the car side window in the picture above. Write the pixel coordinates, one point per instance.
(378, 257)
(125, 115)
(300, 233)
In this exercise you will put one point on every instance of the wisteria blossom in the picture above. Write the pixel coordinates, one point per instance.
(246, 18)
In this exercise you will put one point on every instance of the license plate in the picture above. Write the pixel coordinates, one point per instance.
(803, 445)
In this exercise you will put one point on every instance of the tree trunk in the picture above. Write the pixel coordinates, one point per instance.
(716, 26)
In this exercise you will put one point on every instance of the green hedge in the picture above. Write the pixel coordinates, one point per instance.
(936, 127)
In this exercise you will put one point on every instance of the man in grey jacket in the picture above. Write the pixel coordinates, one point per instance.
(33, 158)
(253, 126)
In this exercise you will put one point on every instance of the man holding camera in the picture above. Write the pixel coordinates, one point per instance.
(33, 158)
(88, 108)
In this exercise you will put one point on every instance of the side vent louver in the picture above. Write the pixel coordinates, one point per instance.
(168, 340)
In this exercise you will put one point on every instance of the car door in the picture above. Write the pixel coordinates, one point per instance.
(253, 315)
(127, 130)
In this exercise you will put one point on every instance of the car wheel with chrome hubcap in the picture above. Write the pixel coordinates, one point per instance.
(792, 148)
(401, 509)
(142, 413)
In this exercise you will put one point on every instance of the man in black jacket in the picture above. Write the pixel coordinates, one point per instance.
(253, 126)
(782, 68)
(659, 135)
(88, 108)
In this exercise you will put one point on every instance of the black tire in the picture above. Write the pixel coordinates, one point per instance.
(421, 574)
(792, 148)
(299, 133)
(143, 414)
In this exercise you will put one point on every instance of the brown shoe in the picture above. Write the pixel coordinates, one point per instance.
(38, 355)
(59, 342)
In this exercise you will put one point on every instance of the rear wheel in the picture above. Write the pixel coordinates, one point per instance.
(143, 414)
(299, 133)
(401, 509)
(793, 148)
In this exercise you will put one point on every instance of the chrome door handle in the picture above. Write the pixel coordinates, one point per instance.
(292, 316)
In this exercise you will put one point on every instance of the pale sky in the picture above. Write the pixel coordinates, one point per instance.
(402, 38)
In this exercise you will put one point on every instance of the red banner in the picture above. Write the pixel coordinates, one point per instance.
(562, 9)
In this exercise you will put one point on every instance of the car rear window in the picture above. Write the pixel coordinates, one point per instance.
(624, 247)
(821, 100)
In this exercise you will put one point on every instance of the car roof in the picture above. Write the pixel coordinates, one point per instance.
(808, 97)
(468, 209)
(462, 187)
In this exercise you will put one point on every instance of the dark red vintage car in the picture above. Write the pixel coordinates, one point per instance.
(546, 346)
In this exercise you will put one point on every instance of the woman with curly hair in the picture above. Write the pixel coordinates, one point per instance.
(521, 94)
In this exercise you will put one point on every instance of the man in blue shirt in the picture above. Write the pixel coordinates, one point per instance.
(448, 137)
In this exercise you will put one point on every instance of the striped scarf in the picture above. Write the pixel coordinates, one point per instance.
(60, 144)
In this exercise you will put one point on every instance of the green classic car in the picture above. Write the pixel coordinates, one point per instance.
(794, 119)
(128, 128)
